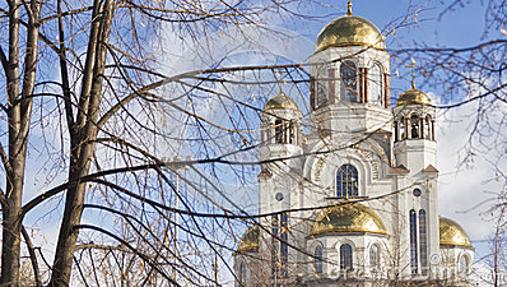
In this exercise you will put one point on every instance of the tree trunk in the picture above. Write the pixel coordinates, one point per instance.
(19, 118)
(82, 142)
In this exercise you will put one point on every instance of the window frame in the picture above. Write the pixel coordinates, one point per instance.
(346, 172)
(414, 260)
(376, 83)
(354, 82)
(346, 257)
(319, 255)
(374, 259)
(423, 240)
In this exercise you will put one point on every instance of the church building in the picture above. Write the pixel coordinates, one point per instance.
(352, 197)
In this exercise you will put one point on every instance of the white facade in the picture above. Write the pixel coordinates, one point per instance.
(357, 196)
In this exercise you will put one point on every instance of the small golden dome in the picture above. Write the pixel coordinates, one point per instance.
(348, 218)
(281, 102)
(350, 31)
(413, 97)
(249, 241)
(452, 235)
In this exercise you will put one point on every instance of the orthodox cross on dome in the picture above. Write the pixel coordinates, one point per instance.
(412, 66)
(349, 8)
(280, 78)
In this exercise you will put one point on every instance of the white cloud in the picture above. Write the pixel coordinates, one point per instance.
(467, 172)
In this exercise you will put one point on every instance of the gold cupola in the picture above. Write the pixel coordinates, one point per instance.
(249, 241)
(452, 235)
(281, 102)
(348, 218)
(350, 30)
(413, 96)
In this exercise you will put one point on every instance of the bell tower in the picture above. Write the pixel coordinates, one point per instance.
(280, 153)
(414, 129)
(415, 153)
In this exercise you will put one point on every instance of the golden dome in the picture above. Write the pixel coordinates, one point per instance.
(350, 31)
(452, 235)
(281, 102)
(348, 218)
(413, 97)
(249, 241)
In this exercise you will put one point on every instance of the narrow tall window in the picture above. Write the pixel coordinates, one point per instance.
(347, 181)
(423, 242)
(413, 242)
(242, 273)
(292, 133)
(427, 128)
(318, 259)
(374, 258)
(279, 243)
(279, 132)
(348, 77)
(414, 127)
(284, 247)
(464, 265)
(376, 85)
(322, 93)
(403, 128)
(346, 261)
(274, 246)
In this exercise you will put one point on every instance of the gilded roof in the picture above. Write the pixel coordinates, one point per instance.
(348, 218)
(249, 241)
(281, 102)
(413, 97)
(453, 235)
(350, 31)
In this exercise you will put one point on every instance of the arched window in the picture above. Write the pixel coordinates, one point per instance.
(427, 128)
(346, 261)
(318, 259)
(347, 181)
(242, 273)
(414, 127)
(374, 258)
(322, 93)
(413, 241)
(274, 245)
(464, 265)
(279, 132)
(348, 77)
(284, 236)
(280, 246)
(376, 85)
(423, 242)
(403, 128)
(292, 133)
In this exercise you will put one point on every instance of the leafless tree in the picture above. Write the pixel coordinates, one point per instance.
(85, 92)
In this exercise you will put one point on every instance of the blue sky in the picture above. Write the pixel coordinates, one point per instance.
(462, 26)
